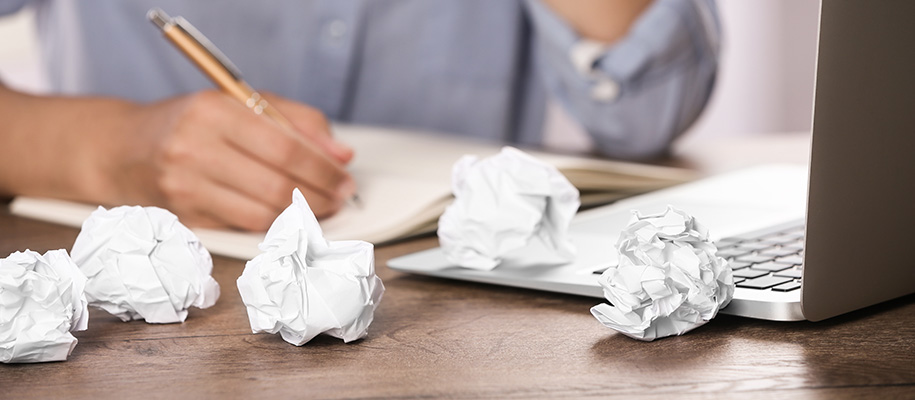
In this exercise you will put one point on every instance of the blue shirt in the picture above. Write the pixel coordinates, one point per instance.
(479, 68)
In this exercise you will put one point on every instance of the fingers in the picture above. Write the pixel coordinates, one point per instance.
(312, 124)
(236, 171)
(201, 202)
(231, 190)
(217, 164)
(304, 161)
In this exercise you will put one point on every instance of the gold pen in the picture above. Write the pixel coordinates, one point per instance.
(213, 63)
(218, 68)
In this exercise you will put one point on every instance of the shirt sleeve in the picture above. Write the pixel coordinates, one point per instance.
(10, 6)
(637, 95)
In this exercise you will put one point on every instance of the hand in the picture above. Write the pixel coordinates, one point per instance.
(214, 163)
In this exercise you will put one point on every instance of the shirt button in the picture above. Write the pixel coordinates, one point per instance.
(335, 30)
(605, 90)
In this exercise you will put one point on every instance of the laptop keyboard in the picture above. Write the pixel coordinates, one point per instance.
(768, 260)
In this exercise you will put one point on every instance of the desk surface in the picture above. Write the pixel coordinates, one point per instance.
(440, 338)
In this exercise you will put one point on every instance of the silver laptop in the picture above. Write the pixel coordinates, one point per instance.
(802, 246)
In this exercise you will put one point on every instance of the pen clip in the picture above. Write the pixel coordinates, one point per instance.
(163, 21)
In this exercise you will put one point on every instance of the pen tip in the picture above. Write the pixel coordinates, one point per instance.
(355, 201)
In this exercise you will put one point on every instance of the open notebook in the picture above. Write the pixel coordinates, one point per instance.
(404, 181)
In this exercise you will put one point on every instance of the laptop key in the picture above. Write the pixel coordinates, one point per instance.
(754, 246)
(763, 282)
(754, 258)
(790, 273)
(771, 266)
(732, 252)
(749, 273)
(787, 287)
(795, 260)
(779, 240)
(722, 246)
(735, 265)
(779, 252)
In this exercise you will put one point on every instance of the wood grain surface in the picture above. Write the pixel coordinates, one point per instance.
(439, 338)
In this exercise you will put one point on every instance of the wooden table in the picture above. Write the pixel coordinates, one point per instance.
(441, 338)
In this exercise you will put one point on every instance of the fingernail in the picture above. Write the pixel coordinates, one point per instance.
(341, 146)
(341, 150)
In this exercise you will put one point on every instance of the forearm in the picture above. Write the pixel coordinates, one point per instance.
(54, 146)
(600, 20)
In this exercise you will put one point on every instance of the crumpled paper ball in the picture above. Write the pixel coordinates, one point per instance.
(142, 263)
(668, 281)
(503, 202)
(302, 285)
(41, 302)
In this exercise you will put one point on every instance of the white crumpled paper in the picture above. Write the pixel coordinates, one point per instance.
(503, 202)
(668, 281)
(41, 302)
(302, 285)
(141, 262)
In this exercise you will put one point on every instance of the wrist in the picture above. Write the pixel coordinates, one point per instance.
(61, 147)
(114, 155)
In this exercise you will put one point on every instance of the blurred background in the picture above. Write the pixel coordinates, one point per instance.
(765, 83)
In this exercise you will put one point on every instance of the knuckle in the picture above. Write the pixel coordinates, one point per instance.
(174, 188)
(310, 121)
(202, 106)
(318, 117)
(176, 150)
(256, 220)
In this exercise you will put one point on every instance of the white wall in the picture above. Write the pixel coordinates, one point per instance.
(767, 68)
(19, 58)
(765, 83)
